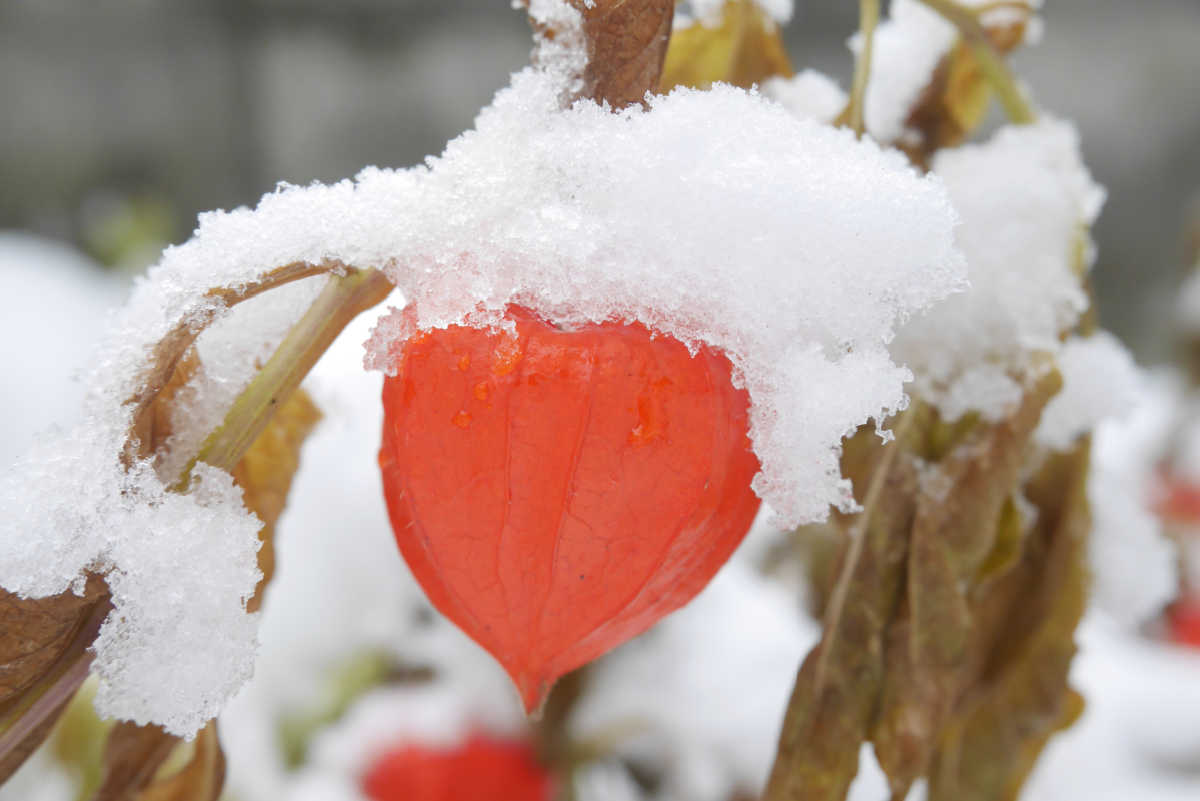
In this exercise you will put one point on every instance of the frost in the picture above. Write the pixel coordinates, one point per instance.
(1026, 201)
(1100, 381)
(808, 94)
(713, 217)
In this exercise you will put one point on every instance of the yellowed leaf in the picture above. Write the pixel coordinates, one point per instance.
(743, 50)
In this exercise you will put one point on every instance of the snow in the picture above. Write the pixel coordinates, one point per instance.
(807, 94)
(1100, 380)
(1026, 202)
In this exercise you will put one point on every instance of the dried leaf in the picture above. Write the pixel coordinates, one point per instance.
(745, 49)
(265, 475)
(955, 529)
(956, 100)
(132, 758)
(837, 688)
(43, 645)
(627, 43)
(200, 779)
(35, 632)
(1023, 698)
(139, 765)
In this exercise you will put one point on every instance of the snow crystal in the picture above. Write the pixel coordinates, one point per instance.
(1100, 381)
(908, 47)
(808, 94)
(712, 217)
(1026, 201)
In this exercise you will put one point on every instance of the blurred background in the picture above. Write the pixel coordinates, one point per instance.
(125, 118)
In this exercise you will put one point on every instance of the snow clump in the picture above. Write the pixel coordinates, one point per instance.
(1026, 202)
(714, 217)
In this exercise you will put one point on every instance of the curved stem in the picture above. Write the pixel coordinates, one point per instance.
(342, 299)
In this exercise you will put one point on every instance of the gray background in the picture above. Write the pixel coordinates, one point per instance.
(198, 104)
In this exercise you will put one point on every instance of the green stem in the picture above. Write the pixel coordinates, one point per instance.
(868, 11)
(342, 299)
(990, 61)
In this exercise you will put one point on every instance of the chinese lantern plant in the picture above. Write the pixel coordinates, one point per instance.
(599, 324)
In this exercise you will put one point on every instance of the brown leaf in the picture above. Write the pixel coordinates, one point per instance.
(837, 688)
(35, 632)
(955, 530)
(43, 645)
(200, 779)
(265, 475)
(131, 759)
(744, 50)
(136, 758)
(626, 43)
(1022, 697)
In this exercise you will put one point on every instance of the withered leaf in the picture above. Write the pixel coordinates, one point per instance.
(1005, 720)
(265, 475)
(626, 42)
(956, 100)
(137, 757)
(837, 688)
(43, 645)
(200, 779)
(34, 633)
(745, 49)
(955, 530)
(132, 757)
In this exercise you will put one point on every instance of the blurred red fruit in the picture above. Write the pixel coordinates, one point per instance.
(482, 769)
(1183, 618)
(1179, 502)
(557, 492)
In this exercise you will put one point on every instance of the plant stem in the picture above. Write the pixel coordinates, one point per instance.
(868, 12)
(342, 299)
(990, 61)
